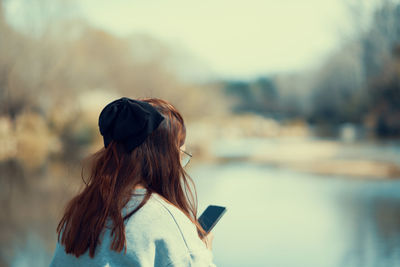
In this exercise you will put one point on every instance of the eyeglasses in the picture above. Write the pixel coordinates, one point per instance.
(185, 158)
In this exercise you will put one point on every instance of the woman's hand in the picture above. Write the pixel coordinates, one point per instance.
(208, 239)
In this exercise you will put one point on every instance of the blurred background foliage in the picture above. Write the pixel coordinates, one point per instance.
(58, 71)
(63, 67)
(358, 83)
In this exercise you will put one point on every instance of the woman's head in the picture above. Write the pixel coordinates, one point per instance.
(159, 155)
(115, 171)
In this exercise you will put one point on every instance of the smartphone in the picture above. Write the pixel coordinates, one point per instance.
(209, 218)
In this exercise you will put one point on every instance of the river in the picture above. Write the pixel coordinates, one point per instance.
(277, 217)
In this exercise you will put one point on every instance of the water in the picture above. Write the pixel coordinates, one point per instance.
(277, 217)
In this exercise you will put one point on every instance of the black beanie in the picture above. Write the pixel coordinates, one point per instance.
(128, 121)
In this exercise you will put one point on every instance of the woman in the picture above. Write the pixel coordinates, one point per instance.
(137, 208)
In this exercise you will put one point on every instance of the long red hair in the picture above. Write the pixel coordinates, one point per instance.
(114, 173)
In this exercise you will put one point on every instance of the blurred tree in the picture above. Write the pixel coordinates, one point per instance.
(260, 96)
(381, 60)
(337, 95)
(359, 83)
(384, 102)
(382, 37)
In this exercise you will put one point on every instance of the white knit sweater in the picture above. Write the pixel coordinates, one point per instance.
(159, 234)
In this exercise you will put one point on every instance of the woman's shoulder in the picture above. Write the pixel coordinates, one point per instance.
(158, 211)
(162, 220)
(165, 227)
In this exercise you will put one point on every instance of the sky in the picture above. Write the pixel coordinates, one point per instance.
(229, 38)
(232, 38)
